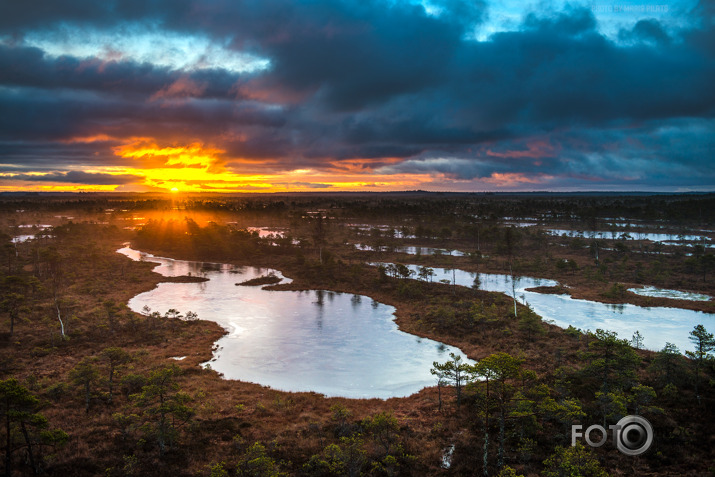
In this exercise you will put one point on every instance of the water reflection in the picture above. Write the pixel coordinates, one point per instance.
(411, 250)
(617, 307)
(331, 343)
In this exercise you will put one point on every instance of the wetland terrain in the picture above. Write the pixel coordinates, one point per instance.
(170, 368)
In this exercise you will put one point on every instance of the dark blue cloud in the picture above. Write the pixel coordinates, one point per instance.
(649, 30)
(78, 177)
(373, 79)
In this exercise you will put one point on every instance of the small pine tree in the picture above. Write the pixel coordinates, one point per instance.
(573, 461)
(85, 375)
(704, 343)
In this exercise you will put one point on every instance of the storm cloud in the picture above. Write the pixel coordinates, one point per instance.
(79, 177)
(365, 88)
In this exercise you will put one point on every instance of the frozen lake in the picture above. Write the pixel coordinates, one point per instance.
(331, 343)
(658, 325)
(666, 293)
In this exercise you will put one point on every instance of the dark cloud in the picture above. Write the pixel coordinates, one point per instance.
(572, 22)
(373, 80)
(646, 31)
(17, 18)
(311, 185)
(30, 67)
(78, 177)
(32, 114)
(42, 156)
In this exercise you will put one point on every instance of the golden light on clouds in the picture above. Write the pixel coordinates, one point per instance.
(515, 178)
(196, 167)
(192, 155)
(88, 139)
(192, 167)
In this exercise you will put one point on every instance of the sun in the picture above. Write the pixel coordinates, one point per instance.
(174, 190)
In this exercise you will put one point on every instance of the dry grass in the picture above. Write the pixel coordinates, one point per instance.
(232, 415)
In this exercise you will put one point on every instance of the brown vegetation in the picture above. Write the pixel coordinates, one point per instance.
(219, 424)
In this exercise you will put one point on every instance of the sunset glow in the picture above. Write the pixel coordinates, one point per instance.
(195, 167)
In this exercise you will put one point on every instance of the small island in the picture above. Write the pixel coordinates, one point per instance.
(270, 279)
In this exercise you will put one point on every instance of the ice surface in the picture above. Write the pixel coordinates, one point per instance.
(658, 325)
(331, 343)
(666, 293)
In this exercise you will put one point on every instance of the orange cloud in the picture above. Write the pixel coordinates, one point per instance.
(509, 179)
(88, 139)
(198, 167)
(363, 165)
(534, 149)
(194, 155)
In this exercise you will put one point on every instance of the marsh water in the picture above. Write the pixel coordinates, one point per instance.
(658, 325)
(35, 229)
(636, 235)
(410, 250)
(667, 293)
(335, 344)
(349, 345)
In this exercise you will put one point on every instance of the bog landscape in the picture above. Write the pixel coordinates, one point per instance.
(355, 334)
(373, 238)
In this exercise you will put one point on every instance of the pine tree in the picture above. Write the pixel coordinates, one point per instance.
(85, 375)
(704, 343)
(498, 368)
(165, 406)
(453, 372)
(24, 427)
(612, 360)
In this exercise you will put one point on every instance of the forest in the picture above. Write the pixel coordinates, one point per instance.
(90, 387)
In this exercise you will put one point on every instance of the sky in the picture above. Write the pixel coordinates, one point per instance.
(359, 95)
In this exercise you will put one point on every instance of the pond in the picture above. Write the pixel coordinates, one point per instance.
(265, 232)
(385, 230)
(331, 343)
(410, 250)
(658, 325)
(635, 235)
(25, 237)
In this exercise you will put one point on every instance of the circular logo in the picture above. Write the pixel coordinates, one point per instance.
(634, 435)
